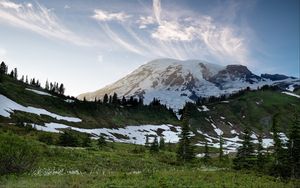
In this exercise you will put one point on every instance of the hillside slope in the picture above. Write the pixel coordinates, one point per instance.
(52, 113)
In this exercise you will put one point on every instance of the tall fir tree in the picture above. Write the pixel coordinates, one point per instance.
(185, 151)
(206, 157)
(245, 157)
(294, 148)
(221, 152)
(279, 153)
(261, 158)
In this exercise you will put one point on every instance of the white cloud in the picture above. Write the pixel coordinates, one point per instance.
(39, 19)
(144, 21)
(102, 15)
(157, 10)
(10, 5)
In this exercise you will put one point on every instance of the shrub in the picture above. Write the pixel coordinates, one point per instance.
(17, 155)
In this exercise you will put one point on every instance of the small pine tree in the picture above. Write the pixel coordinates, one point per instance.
(161, 143)
(86, 141)
(15, 73)
(154, 145)
(101, 141)
(206, 157)
(105, 99)
(47, 87)
(3, 68)
(115, 98)
(221, 152)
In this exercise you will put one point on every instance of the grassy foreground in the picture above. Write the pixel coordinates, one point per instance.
(162, 178)
(127, 165)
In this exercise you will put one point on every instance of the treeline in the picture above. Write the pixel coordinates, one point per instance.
(52, 87)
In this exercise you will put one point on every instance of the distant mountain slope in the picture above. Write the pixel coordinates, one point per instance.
(175, 82)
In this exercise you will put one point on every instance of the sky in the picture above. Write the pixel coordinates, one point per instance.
(89, 44)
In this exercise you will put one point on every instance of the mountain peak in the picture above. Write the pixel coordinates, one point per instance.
(175, 82)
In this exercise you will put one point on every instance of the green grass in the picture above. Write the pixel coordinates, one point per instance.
(126, 165)
(163, 178)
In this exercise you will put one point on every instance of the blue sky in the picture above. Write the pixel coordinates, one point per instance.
(89, 44)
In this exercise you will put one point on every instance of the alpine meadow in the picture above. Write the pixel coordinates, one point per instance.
(150, 93)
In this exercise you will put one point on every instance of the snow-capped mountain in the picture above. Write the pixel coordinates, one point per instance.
(175, 82)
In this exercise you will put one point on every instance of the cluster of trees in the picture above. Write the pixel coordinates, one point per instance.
(54, 87)
(156, 146)
(283, 161)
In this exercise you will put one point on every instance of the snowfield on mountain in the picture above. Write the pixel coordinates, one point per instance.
(175, 82)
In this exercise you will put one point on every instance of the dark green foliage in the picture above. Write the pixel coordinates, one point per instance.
(101, 141)
(105, 99)
(294, 148)
(86, 141)
(154, 147)
(67, 138)
(17, 155)
(185, 151)
(245, 157)
(280, 163)
(221, 153)
(161, 143)
(46, 138)
(206, 158)
(261, 156)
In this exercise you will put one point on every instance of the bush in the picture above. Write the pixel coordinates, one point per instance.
(17, 155)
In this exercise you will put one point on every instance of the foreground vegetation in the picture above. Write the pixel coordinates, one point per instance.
(117, 164)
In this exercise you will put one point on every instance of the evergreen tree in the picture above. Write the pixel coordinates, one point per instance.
(47, 87)
(68, 139)
(115, 98)
(221, 152)
(161, 143)
(261, 159)
(15, 74)
(245, 158)
(110, 99)
(22, 78)
(124, 102)
(3, 68)
(105, 99)
(185, 151)
(101, 141)
(154, 145)
(26, 80)
(86, 141)
(12, 74)
(279, 153)
(206, 157)
(61, 89)
(294, 148)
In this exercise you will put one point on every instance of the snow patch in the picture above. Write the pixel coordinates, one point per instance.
(8, 106)
(291, 94)
(39, 92)
(130, 134)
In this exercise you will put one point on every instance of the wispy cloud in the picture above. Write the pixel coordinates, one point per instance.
(39, 19)
(179, 34)
(102, 15)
